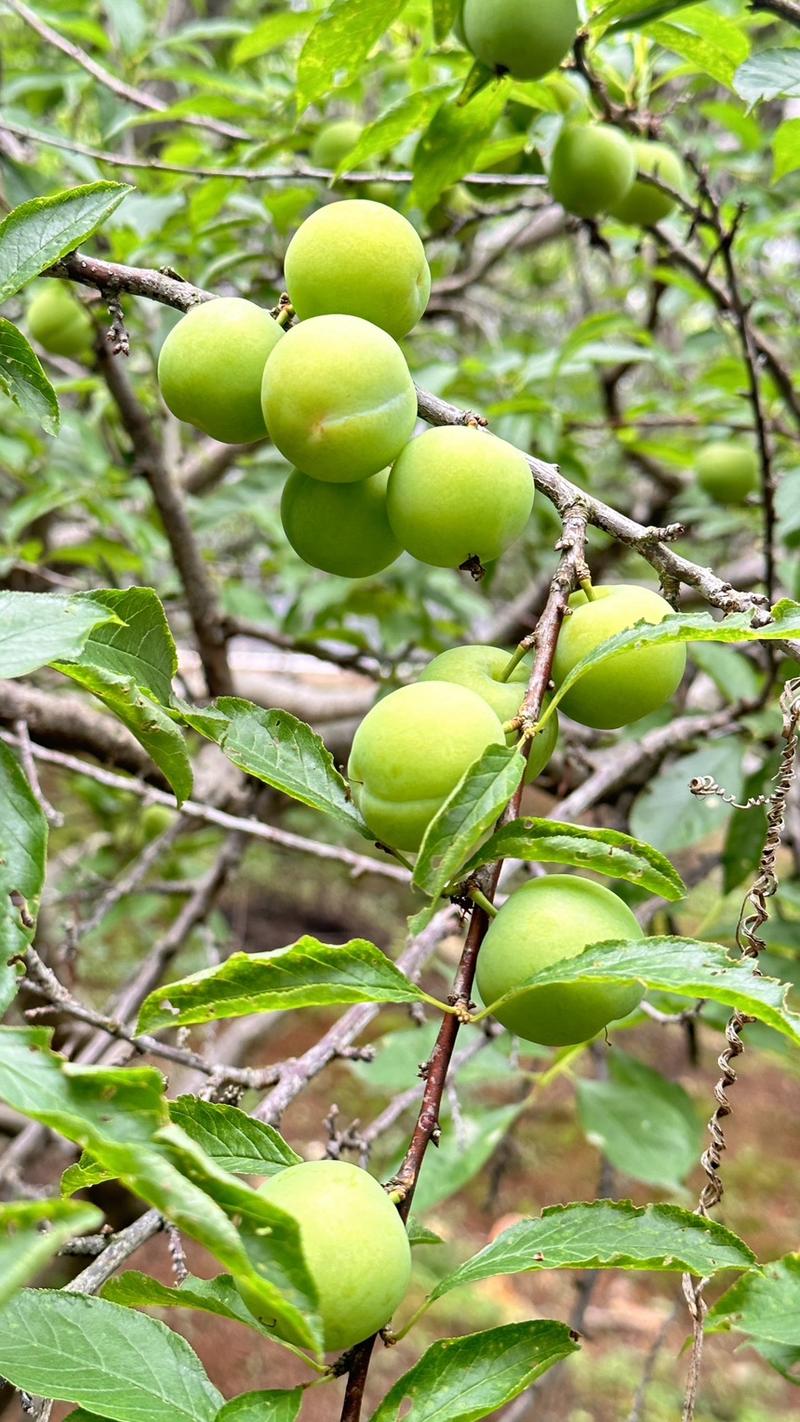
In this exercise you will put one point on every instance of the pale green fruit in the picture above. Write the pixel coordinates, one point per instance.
(457, 493)
(630, 684)
(338, 398)
(592, 168)
(411, 750)
(643, 204)
(58, 322)
(333, 141)
(359, 258)
(211, 364)
(541, 923)
(519, 37)
(339, 528)
(727, 470)
(480, 669)
(354, 1244)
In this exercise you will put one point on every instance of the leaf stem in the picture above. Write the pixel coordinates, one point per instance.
(479, 898)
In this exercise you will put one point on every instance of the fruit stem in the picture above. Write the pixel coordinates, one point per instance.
(586, 586)
(478, 897)
(514, 661)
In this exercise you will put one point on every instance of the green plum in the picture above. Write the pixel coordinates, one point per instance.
(411, 750)
(58, 322)
(643, 205)
(727, 470)
(630, 684)
(359, 258)
(481, 668)
(592, 168)
(354, 1245)
(338, 398)
(541, 923)
(339, 528)
(211, 364)
(519, 37)
(333, 141)
(457, 493)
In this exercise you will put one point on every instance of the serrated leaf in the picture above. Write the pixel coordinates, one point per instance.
(467, 813)
(37, 628)
(420, 1234)
(403, 118)
(764, 1305)
(129, 666)
(270, 33)
(603, 851)
(280, 750)
(769, 74)
(231, 1138)
(606, 1234)
(786, 149)
(23, 856)
(306, 974)
(83, 1174)
(339, 44)
(680, 965)
(646, 1126)
(23, 379)
(451, 142)
(218, 1296)
(274, 1405)
(25, 1248)
(40, 232)
(111, 1360)
(445, 14)
(718, 56)
(464, 1379)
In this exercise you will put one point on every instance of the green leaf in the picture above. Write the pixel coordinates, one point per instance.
(271, 1406)
(464, 1150)
(40, 232)
(718, 56)
(420, 1234)
(766, 1305)
(25, 1248)
(632, 14)
(83, 1174)
(645, 1126)
(769, 74)
(340, 43)
(606, 1234)
(452, 141)
(306, 974)
(218, 1296)
(231, 1138)
(37, 628)
(445, 14)
(270, 33)
(402, 118)
(464, 1379)
(111, 1360)
(129, 666)
(784, 1358)
(680, 965)
(23, 379)
(467, 813)
(786, 148)
(23, 856)
(280, 750)
(603, 851)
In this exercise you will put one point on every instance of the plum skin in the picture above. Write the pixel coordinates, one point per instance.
(58, 322)
(455, 493)
(644, 205)
(338, 398)
(479, 668)
(411, 750)
(630, 684)
(354, 1244)
(541, 923)
(523, 38)
(359, 258)
(339, 528)
(727, 470)
(592, 167)
(210, 368)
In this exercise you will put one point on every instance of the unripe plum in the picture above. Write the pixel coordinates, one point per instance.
(539, 924)
(211, 364)
(411, 750)
(339, 528)
(354, 1244)
(359, 258)
(457, 493)
(333, 141)
(519, 37)
(592, 168)
(643, 205)
(480, 669)
(58, 322)
(727, 470)
(338, 398)
(630, 684)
